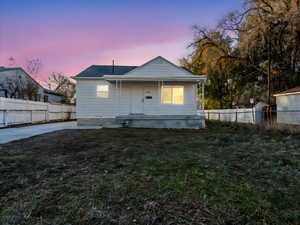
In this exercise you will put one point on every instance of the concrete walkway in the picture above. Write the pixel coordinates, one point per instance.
(18, 133)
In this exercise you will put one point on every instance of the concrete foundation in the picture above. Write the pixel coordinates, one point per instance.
(103, 122)
(145, 121)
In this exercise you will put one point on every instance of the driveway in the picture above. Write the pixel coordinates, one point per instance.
(18, 133)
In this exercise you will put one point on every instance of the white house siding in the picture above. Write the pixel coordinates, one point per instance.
(154, 106)
(90, 106)
(288, 103)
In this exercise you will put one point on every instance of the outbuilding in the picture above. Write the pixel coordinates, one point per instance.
(288, 106)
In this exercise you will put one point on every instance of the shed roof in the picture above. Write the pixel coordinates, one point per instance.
(51, 92)
(292, 91)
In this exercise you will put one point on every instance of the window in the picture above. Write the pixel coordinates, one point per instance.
(46, 98)
(173, 95)
(38, 97)
(102, 91)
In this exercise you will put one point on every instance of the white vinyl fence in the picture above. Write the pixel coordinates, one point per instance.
(15, 111)
(248, 115)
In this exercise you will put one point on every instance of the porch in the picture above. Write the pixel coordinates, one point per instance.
(147, 121)
(144, 102)
(148, 91)
(162, 121)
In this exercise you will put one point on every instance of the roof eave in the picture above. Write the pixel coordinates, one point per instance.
(124, 77)
(156, 78)
(87, 78)
(284, 94)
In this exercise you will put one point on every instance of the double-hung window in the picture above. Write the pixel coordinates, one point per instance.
(173, 95)
(102, 91)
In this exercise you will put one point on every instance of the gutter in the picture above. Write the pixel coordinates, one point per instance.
(284, 94)
(121, 77)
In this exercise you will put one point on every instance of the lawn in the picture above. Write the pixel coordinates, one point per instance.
(225, 175)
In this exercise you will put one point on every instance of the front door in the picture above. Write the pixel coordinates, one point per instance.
(149, 101)
(137, 100)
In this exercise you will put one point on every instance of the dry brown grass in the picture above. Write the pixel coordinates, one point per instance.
(226, 175)
(284, 128)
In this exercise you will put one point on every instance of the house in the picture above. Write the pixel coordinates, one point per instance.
(157, 94)
(52, 96)
(17, 83)
(288, 106)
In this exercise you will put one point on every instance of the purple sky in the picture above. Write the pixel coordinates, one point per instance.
(68, 35)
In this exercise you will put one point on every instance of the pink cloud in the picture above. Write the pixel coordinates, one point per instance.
(72, 51)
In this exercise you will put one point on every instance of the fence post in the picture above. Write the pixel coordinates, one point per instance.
(47, 112)
(5, 117)
(31, 116)
(208, 116)
(219, 116)
(236, 116)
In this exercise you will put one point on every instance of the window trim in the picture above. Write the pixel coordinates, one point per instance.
(98, 92)
(171, 86)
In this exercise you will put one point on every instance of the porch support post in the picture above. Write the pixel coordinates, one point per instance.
(116, 96)
(117, 99)
(120, 94)
(120, 87)
(159, 91)
(202, 95)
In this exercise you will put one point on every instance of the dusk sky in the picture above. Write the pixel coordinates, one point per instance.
(70, 35)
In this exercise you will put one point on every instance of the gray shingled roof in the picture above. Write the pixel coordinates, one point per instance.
(99, 71)
(2, 68)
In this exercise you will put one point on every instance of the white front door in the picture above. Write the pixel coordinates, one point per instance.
(137, 100)
(149, 101)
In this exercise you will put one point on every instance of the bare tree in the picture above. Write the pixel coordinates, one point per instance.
(14, 86)
(63, 85)
(18, 86)
(33, 66)
(30, 89)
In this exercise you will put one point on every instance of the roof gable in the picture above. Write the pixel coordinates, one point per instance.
(157, 67)
(4, 69)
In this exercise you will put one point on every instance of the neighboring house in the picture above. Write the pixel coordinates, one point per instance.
(17, 83)
(288, 106)
(52, 96)
(157, 94)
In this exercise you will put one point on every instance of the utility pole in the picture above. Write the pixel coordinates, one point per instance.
(269, 66)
